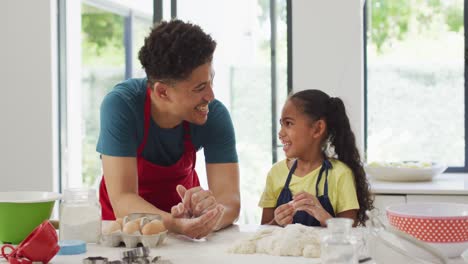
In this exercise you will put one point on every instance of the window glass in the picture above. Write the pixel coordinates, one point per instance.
(104, 57)
(242, 63)
(415, 81)
(103, 65)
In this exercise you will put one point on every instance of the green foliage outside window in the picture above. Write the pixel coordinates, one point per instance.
(454, 18)
(103, 65)
(389, 20)
(103, 37)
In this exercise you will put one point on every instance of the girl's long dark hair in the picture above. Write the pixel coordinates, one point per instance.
(316, 105)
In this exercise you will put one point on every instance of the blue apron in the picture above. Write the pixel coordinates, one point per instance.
(302, 217)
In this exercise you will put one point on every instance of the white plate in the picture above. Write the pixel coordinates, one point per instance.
(402, 174)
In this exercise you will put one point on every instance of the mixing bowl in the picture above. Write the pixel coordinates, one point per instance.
(442, 225)
(22, 211)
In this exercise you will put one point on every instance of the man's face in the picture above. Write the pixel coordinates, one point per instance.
(191, 96)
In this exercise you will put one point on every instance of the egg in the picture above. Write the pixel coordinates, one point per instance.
(112, 227)
(153, 227)
(132, 227)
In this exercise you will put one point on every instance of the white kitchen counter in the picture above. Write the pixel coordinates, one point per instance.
(444, 184)
(181, 250)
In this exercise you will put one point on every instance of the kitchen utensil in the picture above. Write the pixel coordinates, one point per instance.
(388, 245)
(95, 260)
(464, 255)
(136, 252)
(137, 255)
(442, 225)
(41, 245)
(21, 212)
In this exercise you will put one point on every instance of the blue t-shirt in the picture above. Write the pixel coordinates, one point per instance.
(122, 129)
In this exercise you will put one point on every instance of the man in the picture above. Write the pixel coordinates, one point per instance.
(151, 129)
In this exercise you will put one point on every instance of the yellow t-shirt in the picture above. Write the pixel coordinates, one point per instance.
(341, 186)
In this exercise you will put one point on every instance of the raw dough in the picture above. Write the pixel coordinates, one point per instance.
(292, 240)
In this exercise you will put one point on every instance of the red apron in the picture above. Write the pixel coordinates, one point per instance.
(157, 184)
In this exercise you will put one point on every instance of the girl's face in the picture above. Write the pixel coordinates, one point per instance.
(299, 134)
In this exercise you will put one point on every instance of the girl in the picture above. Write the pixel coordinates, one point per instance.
(322, 176)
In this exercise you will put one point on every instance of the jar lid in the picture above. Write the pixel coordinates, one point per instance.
(71, 247)
(79, 194)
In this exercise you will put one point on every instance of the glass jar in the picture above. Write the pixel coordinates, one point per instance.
(80, 216)
(337, 246)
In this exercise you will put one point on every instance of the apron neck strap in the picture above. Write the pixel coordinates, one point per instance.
(147, 115)
(186, 130)
(291, 172)
(326, 165)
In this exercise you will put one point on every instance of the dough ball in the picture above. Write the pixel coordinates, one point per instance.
(311, 251)
(292, 240)
(243, 247)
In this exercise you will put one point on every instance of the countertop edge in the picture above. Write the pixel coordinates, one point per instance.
(444, 184)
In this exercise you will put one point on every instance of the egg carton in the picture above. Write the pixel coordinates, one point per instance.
(115, 239)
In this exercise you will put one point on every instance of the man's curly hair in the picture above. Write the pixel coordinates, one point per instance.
(174, 49)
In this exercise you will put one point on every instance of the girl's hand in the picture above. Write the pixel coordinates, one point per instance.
(304, 201)
(284, 214)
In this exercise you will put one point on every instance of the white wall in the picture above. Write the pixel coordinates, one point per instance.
(28, 97)
(328, 53)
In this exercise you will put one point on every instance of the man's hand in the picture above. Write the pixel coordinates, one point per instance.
(198, 214)
(284, 214)
(179, 211)
(196, 201)
(195, 227)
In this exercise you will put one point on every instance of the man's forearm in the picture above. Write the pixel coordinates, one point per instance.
(231, 211)
(132, 203)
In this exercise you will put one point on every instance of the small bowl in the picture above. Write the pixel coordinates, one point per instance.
(442, 225)
(22, 212)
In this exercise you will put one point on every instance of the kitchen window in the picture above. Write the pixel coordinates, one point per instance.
(99, 42)
(249, 81)
(102, 39)
(415, 89)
